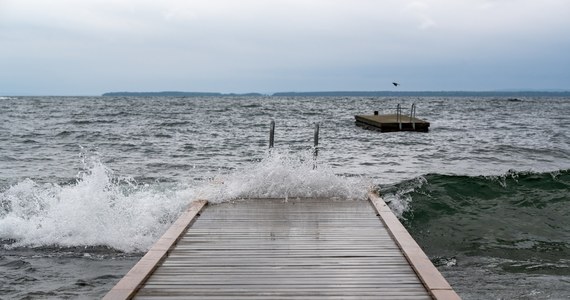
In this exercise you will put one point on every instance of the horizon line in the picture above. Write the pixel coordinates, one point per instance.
(501, 91)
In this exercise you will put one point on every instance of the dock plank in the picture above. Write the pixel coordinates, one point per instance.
(291, 249)
(295, 249)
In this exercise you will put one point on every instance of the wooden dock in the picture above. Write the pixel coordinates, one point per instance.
(285, 249)
(393, 122)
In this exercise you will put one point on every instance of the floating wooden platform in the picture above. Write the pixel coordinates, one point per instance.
(389, 123)
(278, 249)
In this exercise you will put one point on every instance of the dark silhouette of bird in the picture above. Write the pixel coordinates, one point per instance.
(395, 83)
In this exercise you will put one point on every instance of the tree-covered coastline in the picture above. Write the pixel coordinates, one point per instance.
(511, 94)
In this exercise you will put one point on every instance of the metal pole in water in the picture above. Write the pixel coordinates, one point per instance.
(271, 133)
(316, 147)
(399, 115)
(413, 116)
(316, 135)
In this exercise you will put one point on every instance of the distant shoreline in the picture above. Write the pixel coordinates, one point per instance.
(349, 94)
(176, 94)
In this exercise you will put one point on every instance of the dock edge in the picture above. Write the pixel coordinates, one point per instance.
(135, 278)
(428, 274)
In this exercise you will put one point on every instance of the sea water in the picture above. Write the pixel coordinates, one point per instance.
(87, 184)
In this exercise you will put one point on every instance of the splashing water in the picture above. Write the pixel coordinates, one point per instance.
(101, 209)
(282, 174)
(398, 196)
(96, 210)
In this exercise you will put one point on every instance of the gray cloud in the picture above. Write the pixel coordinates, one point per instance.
(89, 47)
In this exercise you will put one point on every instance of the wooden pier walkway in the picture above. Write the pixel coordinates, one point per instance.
(277, 249)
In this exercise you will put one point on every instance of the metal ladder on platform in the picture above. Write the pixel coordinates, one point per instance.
(412, 116)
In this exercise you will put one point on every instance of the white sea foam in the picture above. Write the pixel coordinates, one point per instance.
(399, 200)
(97, 210)
(282, 174)
(100, 209)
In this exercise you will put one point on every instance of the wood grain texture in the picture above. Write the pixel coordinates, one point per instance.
(438, 287)
(295, 249)
(308, 248)
(128, 285)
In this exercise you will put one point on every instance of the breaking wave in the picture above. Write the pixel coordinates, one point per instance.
(283, 174)
(99, 208)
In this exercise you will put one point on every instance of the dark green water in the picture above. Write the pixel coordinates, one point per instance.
(490, 233)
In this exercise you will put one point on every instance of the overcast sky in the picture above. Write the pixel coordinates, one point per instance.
(88, 47)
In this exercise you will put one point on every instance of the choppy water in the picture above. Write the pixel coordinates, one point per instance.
(88, 183)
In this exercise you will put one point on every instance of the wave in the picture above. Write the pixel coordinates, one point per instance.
(520, 216)
(99, 208)
(87, 122)
(175, 124)
(284, 174)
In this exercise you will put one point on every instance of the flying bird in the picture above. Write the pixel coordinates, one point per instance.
(395, 83)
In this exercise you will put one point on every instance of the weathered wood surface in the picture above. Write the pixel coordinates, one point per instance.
(387, 123)
(131, 282)
(295, 249)
(432, 279)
